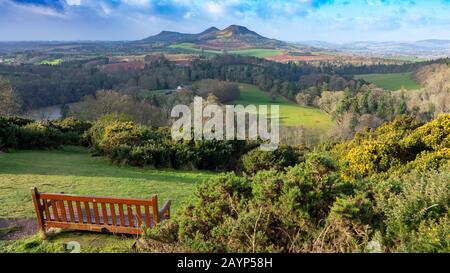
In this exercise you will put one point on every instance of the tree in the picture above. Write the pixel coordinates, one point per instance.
(329, 101)
(10, 103)
(65, 111)
(402, 108)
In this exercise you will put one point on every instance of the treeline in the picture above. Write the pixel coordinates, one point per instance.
(369, 106)
(44, 85)
(223, 91)
(349, 69)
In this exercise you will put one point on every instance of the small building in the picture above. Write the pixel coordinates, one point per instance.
(184, 89)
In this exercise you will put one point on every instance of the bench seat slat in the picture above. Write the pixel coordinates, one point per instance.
(134, 219)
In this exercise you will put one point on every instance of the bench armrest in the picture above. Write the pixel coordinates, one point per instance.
(164, 212)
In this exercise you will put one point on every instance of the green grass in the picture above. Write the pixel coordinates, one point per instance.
(391, 81)
(72, 170)
(291, 114)
(255, 52)
(51, 62)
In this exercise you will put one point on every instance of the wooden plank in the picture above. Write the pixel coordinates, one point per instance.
(54, 210)
(164, 212)
(47, 210)
(67, 197)
(87, 210)
(79, 211)
(139, 216)
(37, 207)
(112, 210)
(155, 210)
(130, 216)
(147, 217)
(121, 215)
(71, 212)
(62, 210)
(104, 214)
(96, 216)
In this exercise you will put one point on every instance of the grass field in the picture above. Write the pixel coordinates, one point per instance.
(255, 52)
(291, 114)
(52, 62)
(391, 81)
(72, 170)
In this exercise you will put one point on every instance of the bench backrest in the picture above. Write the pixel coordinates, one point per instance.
(117, 215)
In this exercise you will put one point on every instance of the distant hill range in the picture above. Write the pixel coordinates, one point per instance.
(232, 37)
(423, 48)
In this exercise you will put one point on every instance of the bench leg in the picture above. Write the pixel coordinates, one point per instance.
(42, 233)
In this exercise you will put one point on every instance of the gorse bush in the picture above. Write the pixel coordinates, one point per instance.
(285, 156)
(268, 212)
(416, 206)
(397, 146)
(385, 191)
(73, 130)
(18, 133)
(125, 142)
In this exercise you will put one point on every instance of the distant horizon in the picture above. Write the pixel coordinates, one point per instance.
(222, 28)
(333, 21)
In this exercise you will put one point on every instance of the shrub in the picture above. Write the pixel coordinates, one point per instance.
(416, 205)
(285, 156)
(8, 134)
(19, 133)
(269, 212)
(73, 130)
(39, 136)
(125, 142)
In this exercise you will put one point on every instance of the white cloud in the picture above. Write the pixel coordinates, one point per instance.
(73, 2)
(215, 9)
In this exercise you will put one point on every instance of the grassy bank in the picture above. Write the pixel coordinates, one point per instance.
(291, 114)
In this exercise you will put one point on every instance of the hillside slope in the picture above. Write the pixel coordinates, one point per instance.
(232, 37)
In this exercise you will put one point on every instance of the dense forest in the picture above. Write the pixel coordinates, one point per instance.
(354, 105)
(45, 85)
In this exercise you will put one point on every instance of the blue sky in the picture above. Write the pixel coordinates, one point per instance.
(291, 20)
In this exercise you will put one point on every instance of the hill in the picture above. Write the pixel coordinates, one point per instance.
(416, 51)
(232, 37)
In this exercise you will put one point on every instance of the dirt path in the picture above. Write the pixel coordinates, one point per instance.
(13, 229)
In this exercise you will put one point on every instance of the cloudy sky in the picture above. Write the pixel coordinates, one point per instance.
(290, 20)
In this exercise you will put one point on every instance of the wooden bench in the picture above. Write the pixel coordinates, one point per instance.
(97, 214)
